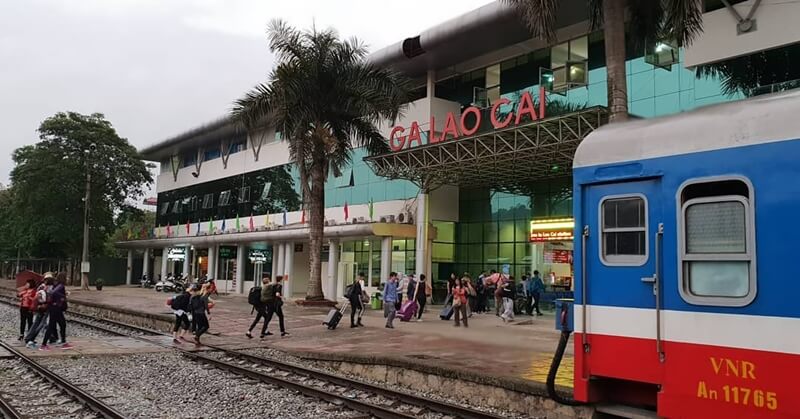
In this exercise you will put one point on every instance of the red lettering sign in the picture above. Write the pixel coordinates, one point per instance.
(457, 127)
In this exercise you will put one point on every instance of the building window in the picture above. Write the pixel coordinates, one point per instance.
(265, 191)
(238, 146)
(717, 243)
(176, 207)
(212, 154)
(191, 203)
(569, 63)
(208, 201)
(164, 208)
(244, 195)
(224, 198)
(188, 159)
(624, 230)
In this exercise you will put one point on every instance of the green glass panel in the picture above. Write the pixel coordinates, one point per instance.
(446, 231)
(523, 253)
(475, 233)
(506, 231)
(505, 253)
(490, 232)
(443, 252)
(490, 253)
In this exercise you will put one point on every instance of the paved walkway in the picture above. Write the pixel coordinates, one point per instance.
(522, 349)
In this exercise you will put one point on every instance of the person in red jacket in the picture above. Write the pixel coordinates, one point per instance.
(27, 306)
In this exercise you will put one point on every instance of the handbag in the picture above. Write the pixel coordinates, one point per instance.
(456, 301)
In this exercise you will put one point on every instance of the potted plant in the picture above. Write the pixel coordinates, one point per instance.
(98, 283)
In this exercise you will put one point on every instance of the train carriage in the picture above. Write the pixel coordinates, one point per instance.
(687, 286)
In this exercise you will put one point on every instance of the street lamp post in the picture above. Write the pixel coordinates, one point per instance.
(85, 257)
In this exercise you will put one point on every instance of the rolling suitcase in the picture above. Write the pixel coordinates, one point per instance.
(447, 312)
(407, 311)
(335, 316)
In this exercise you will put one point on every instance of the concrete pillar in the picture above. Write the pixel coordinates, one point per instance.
(288, 269)
(146, 263)
(187, 259)
(241, 257)
(129, 269)
(275, 248)
(164, 262)
(422, 235)
(430, 86)
(212, 262)
(333, 271)
(386, 258)
(281, 255)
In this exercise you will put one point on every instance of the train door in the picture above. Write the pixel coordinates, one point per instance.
(622, 227)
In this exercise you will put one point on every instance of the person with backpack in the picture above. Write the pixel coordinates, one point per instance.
(257, 299)
(390, 296)
(274, 303)
(354, 292)
(460, 294)
(27, 305)
(508, 294)
(199, 308)
(41, 316)
(55, 309)
(180, 306)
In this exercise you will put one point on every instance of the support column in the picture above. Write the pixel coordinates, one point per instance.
(212, 262)
(241, 254)
(275, 251)
(333, 271)
(288, 269)
(129, 271)
(164, 254)
(146, 263)
(421, 251)
(386, 258)
(187, 251)
(281, 255)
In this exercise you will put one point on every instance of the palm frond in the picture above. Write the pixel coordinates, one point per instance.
(683, 20)
(538, 15)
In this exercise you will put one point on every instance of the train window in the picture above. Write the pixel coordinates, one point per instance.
(624, 230)
(716, 243)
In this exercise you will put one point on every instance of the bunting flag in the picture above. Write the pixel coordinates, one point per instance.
(346, 211)
(266, 220)
(210, 225)
(223, 226)
(303, 216)
(252, 223)
(284, 217)
(169, 230)
(197, 233)
(188, 227)
(130, 234)
(238, 223)
(371, 209)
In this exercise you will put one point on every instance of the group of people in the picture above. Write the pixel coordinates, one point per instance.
(268, 304)
(192, 308)
(42, 307)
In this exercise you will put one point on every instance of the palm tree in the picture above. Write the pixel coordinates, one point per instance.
(325, 99)
(651, 21)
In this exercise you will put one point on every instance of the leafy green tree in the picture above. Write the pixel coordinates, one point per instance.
(129, 223)
(49, 181)
(650, 21)
(325, 99)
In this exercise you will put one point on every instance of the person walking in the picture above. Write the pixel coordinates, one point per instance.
(390, 299)
(27, 305)
(275, 306)
(421, 286)
(261, 306)
(480, 294)
(41, 316)
(508, 293)
(180, 307)
(466, 283)
(199, 306)
(354, 296)
(55, 310)
(535, 290)
(460, 303)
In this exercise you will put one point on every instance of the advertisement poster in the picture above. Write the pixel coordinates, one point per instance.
(558, 256)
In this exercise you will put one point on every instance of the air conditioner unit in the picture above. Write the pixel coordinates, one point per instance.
(361, 219)
(330, 222)
(401, 218)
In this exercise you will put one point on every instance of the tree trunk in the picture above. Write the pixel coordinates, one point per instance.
(316, 230)
(614, 33)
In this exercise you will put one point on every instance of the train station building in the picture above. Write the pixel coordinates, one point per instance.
(479, 176)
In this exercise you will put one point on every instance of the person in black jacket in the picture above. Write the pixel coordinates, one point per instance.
(199, 306)
(180, 306)
(354, 296)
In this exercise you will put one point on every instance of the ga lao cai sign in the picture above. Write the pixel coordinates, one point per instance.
(455, 128)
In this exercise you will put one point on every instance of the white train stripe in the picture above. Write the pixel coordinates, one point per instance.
(761, 333)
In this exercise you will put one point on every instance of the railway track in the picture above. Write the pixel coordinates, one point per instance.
(377, 401)
(30, 390)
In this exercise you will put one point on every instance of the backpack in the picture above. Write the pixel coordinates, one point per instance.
(348, 292)
(254, 297)
(269, 294)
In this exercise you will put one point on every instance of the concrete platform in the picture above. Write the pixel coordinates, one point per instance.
(489, 350)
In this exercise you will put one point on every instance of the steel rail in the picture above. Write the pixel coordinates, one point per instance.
(92, 403)
(8, 411)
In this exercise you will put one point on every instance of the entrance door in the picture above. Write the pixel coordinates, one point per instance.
(621, 255)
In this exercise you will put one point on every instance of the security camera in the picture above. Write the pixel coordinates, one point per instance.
(93, 146)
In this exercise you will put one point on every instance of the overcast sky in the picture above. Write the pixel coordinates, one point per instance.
(157, 68)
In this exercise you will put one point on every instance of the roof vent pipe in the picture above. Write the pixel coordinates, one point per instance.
(412, 47)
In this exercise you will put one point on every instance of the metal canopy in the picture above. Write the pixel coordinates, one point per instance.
(509, 159)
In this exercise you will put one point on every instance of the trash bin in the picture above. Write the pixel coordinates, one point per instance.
(376, 301)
